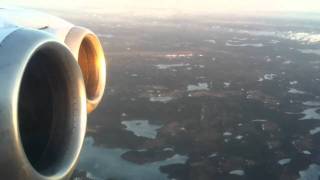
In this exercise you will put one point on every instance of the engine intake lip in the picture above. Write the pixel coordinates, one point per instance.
(54, 118)
(87, 49)
(48, 110)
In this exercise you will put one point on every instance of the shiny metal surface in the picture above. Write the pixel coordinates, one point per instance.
(52, 74)
(42, 100)
(83, 43)
(87, 49)
(6, 28)
(36, 20)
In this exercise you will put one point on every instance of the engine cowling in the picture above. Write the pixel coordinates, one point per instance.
(52, 74)
(42, 107)
(87, 49)
(83, 43)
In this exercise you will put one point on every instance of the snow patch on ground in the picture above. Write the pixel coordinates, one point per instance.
(212, 41)
(142, 128)
(213, 155)
(314, 131)
(168, 149)
(287, 62)
(163, 99)
(234, 44)
(259, 120)
(311, 103)
(198, 87)
(226, 84)
(168, 66)
(304, 37)
(295, 91)
(227, 134)
(268, 59)
(284, 161)
(237, 172)
(310, 113)
(269, 76)
(293, 82)
(274, 41)
(306, 152)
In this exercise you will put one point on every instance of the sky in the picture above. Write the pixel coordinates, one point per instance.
(193, 6)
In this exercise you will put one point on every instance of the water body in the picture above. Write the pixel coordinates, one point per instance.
(311, 103)
(312, 173)
(311, 113)
(104, 163)
(304, 37)
(310, 51)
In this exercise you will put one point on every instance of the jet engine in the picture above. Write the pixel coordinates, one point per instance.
(83, 44)
(51, 77)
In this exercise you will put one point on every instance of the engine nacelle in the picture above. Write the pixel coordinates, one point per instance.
(43, 107)
(87, 49)
(50, 78)
(83, 43)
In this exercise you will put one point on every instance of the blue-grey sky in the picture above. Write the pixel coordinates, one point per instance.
(195, 6)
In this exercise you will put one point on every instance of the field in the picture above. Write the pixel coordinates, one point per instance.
(205, 97)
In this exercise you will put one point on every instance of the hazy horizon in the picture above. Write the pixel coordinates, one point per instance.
(176, 6)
